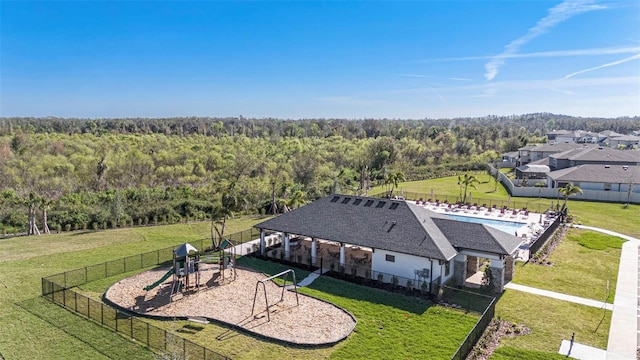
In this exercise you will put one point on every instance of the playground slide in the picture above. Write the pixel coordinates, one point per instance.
(162, 279)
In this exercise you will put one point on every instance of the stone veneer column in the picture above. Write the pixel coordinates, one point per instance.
(508, 269)
(472, 264)
(459, 272)
(498, 279)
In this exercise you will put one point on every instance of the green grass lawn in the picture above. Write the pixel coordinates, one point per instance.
(389, 325)
(585, 265)
(551, 321)
(24, 260)
(392, 326)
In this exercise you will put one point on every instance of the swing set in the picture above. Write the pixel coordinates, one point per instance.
(264, 288)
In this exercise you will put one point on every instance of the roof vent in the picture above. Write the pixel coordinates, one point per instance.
(607, 166)
(357, 201)
(335, 199)
(394, 206)
(346, 200)
(381, 204)
(368, 203)
(625, 167)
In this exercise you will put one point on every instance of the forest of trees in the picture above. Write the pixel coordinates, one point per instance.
(69, 174)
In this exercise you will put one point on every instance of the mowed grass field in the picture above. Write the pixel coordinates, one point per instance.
(25, 331)
(389, 325)
(585, 264)
(33, 328)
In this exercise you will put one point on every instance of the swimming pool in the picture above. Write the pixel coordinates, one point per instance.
(509, 227)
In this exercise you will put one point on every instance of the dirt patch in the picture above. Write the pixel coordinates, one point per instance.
(304, 321)
(490, 339)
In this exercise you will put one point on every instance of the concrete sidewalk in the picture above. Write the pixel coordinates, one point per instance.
(559, 296)
(623, 334)
(581, 352)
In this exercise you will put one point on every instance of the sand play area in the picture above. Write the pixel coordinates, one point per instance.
(311, 322)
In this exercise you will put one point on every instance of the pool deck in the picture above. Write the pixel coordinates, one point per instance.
(533, 224)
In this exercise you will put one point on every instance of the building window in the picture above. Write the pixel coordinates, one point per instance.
(607, 186)
(390, 258)
(447, 269)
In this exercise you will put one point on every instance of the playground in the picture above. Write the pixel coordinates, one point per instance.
(234, 296)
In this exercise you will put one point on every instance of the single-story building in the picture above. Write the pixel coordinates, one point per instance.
(405, 240)
(617, 178)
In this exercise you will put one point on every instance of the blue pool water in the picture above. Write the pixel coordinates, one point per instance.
(509, 227)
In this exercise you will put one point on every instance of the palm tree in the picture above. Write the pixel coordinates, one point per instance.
(393, 179)
(568, 190)
(296, 200)
(467, 181)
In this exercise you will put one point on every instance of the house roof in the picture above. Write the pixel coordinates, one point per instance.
(556, 147)
(543, 161)
(558, 132)
(388, 224)
(533, 168)
(479, 237)
(609, 133)
(614, 174)
(626, 138)
(599, 154)
(511, 154)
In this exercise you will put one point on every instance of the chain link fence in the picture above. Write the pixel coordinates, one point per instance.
(59, 288)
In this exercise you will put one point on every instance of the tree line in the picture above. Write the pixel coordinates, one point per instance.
(68, 174)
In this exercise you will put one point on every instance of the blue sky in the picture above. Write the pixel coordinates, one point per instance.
(306, 59)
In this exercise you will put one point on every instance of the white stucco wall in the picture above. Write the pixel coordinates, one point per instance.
(404, 266)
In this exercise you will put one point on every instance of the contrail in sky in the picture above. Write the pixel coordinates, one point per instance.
(637, 56)
(557, 14)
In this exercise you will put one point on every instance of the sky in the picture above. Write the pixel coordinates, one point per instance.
(319, 59)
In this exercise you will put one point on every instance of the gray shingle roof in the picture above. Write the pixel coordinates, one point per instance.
(614, 174)
(387, 224)
(479, 237)
(599, 154)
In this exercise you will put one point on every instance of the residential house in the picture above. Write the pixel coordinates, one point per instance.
(624, 142)
(614, 178)
(531, 153)
(592, 155)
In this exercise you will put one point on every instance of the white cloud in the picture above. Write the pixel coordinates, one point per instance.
(557, 14)
(550, 54)
(622, 61)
